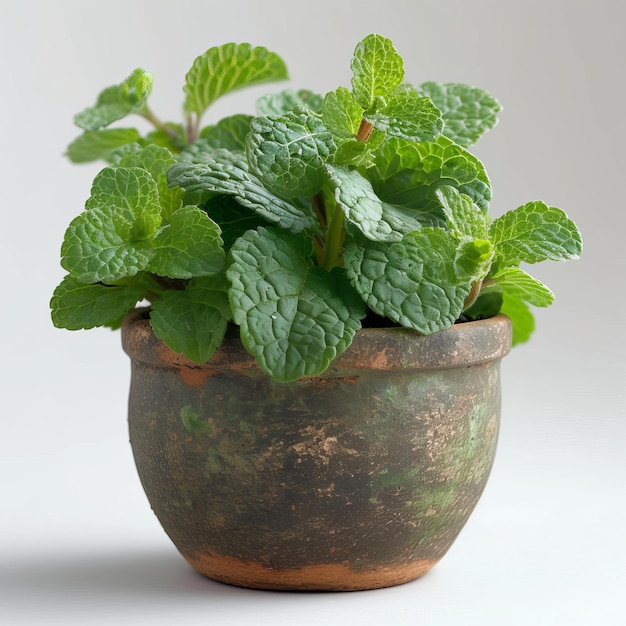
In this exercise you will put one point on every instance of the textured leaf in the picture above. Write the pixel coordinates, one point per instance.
(285, 101)
(408, 116)
(288, 153)
(193, 322)
(111, 240)
(467, 111)
(377, 70)
(225, 173)
(190, 245)
(342, 114)
(473, 259)
(130, 188)
(463, 217)
(377, 220)
(535, 232)
(358, 153)
(412, 282)
(356, 198)
(228, 67)
(99, 144)
(77, 305)
(409, 173)
(156, 160)
(516, 283)
(117, 101)
(294, 318)
(98, 246)
(353, 152)
(229, 133)
(403, 220)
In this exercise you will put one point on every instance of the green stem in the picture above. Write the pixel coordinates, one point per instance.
(334, 241)
(147, 114)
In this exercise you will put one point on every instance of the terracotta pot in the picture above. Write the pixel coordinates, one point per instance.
(356, 479)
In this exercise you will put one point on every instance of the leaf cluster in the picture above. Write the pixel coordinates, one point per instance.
(303, 222)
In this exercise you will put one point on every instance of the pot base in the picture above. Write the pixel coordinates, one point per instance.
(330, 577)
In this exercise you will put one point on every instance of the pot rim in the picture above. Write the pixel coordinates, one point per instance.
(465, 344)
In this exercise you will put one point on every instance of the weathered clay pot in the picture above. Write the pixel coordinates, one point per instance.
(357, 479)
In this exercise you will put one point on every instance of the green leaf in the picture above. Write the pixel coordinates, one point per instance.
(117, 101)
(157, 161)
(516, 283)
(342, 114)
(403, 220)
(229, 133)
(77, 305)
(193, 322)
(413, 282)
(353, 152)
(98, 144)
(473, 260)
(377, 220)
(521, 317)
(288, 153)
(408, 116)
(408, 174)
(287, 100)
(467, 111)
(131, 188)
(161, 137)
(463, 217)
(535, 232)
(295, 318)
(233, 218)
(226, 173)
(112, 238)
(377, 70)
(228, 67)
(362, 208)
(488, 304)
(190, 245)
(358, 153)
(96, 247)
(515, 290)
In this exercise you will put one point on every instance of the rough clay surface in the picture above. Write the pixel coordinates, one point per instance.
(354, 480)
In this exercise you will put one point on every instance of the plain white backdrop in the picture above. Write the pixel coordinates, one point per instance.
(546, 545)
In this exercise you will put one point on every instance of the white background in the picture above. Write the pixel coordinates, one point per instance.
(546, 545)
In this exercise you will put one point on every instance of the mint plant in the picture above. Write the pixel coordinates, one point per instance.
(302, 223)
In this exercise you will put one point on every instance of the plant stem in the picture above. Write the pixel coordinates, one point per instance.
(147, 114)
(473, 294)
(193, 128)
(318, 247)
(334, 241)
(317, 202)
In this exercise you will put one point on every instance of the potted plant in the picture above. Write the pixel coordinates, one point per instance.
(315, 301)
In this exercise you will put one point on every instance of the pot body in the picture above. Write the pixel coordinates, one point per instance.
(357, 479)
